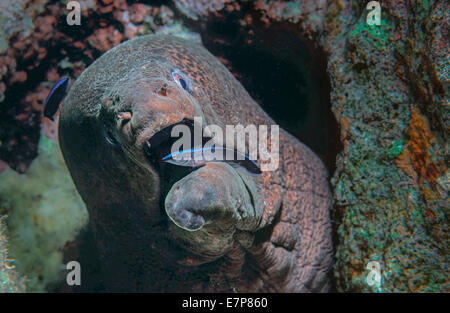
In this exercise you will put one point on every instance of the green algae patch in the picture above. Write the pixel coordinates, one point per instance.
(44, 213)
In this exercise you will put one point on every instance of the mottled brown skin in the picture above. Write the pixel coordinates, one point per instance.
(269, 233)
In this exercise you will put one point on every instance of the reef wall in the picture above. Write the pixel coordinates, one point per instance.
(389, 95)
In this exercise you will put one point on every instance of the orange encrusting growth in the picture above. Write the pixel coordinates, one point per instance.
(416, 161)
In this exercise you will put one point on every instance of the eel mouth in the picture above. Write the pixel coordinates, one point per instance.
(154, 149)
(158, 146)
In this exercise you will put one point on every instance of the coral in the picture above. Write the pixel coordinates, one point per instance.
(104, 39)
(195, 9)
(309, 15)
(417, 151)
(19, 22)
(10, 281)
(416, 162)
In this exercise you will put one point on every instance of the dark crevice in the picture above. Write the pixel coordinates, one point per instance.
(152, 2)
(282, 70)
(25, 133)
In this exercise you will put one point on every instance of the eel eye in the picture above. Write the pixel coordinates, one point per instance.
(109, 137)
(181, 79)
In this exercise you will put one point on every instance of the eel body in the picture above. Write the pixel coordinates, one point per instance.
(162, 227)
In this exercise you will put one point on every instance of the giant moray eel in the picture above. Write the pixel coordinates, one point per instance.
(270, 232)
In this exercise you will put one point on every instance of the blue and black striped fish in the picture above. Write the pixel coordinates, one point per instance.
(192, 158)
(55, 97)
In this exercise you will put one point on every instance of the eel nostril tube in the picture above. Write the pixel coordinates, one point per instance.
(124, 117)
(163, 91)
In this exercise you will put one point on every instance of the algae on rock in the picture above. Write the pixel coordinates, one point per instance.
(44, 213)
(10, 281)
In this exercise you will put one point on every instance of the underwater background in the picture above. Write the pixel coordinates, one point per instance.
(371, 100)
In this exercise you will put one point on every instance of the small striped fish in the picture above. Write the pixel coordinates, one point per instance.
(187, 158)
(55, 97)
